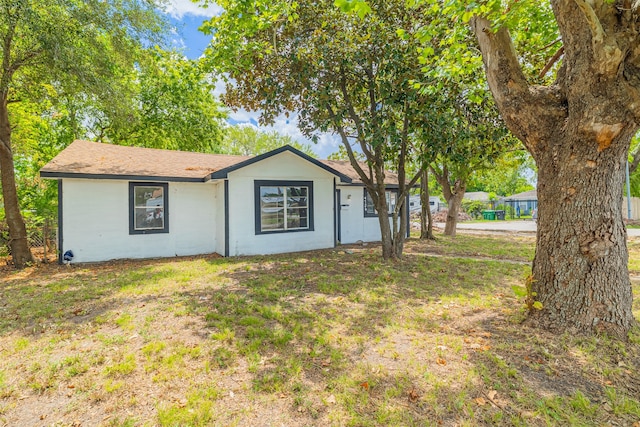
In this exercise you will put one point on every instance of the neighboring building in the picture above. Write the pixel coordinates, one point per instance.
(129, 202)
(415, 204)
(527, 202)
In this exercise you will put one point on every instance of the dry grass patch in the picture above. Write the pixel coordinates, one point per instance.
(318, 338)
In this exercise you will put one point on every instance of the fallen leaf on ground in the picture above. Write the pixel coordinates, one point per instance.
(331, 399)
(480, 401)
(441, 361)
(492, 394)
(365, 385)
(413, 395)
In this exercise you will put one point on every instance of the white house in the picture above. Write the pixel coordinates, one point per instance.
(130, 202)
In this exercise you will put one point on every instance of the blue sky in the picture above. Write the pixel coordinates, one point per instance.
(187, 16)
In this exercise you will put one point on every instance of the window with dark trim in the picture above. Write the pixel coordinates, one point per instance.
(148, 207)
(283, 206)
(369, 207)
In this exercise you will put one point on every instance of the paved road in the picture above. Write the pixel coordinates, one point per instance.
(514, 226)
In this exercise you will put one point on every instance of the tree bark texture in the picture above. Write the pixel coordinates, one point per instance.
(578, 131)
(453, 194)
(392, 232)
(426, 219)
(20, 252)
(454, 204)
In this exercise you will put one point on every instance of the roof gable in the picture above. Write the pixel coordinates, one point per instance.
(223, 173)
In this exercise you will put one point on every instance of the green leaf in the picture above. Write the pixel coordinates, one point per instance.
(520, 291)
(537, 305)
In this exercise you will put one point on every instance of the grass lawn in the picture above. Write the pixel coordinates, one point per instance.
(309, 339)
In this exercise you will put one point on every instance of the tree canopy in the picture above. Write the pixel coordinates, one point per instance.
(347, 74)
(172, 106)
(246, 140)
(60, 47)
(564, 76)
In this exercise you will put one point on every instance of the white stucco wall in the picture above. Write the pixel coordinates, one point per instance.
(95, 220)
(219, 231)
(285, 166)
(355, 226)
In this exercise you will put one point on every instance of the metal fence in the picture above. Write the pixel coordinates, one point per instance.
(42, 235)
(635, 208)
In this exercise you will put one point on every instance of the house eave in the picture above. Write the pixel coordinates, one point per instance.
(63, 175)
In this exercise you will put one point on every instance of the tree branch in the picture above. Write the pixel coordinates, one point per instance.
(353, 114)
(607, 55)
(24, 60)
(552, 61)
(517, 101)
(597, 32)
(366, 180)
(635, 162)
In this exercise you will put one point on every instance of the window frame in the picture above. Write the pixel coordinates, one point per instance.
(282, 183)
(132, 207)
(375, 213)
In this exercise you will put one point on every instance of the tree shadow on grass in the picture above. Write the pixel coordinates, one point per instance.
(58, 296)
(324, 326)
(312, 315)
(309, 303)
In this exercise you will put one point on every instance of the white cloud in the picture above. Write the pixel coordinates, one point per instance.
(327, 143)
(179, 8)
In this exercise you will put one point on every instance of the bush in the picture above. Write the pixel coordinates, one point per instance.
(473, 207)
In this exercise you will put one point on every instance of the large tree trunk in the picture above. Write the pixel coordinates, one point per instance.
(18, 244)
(399, 226)
(453, 194)
(388, 247)
(387, 234)
(454, 204)
(578, 131)
(426, 219)
(583, 281)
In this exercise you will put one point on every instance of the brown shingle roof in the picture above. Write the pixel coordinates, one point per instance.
(345, 168)
(94, 159)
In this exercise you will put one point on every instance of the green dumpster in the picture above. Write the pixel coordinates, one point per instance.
(489, 215)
